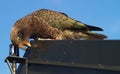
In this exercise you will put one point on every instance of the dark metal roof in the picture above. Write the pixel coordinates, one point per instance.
(76, 56)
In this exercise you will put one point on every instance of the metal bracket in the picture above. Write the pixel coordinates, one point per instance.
(12, 63)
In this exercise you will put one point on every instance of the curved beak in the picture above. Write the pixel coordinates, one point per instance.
(26, 43)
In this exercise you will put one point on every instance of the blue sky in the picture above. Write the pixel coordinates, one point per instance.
(102, 13)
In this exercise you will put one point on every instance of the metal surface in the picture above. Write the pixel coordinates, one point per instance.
(14, 67)
(12, 62)
(73, 57)
(8, 63)
(13, 50)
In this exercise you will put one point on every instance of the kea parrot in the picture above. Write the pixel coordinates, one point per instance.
(50, 24)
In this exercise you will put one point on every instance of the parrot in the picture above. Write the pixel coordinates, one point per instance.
(54, 25)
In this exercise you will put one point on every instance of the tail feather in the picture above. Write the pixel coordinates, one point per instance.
(82, 35)
(95, 36)
(93, 28)
(84, 27)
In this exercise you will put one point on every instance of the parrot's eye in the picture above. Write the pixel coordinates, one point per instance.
(18, 39)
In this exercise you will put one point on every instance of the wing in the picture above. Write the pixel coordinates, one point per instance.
(63, 21)
(57, 19)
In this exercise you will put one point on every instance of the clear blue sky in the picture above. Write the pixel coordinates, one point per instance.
(102, 13)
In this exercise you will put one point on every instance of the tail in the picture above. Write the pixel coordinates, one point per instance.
(95, 36)
(82, 35)
(84, 27)
(93, 28)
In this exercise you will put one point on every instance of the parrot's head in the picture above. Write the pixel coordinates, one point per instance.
(19, 38)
